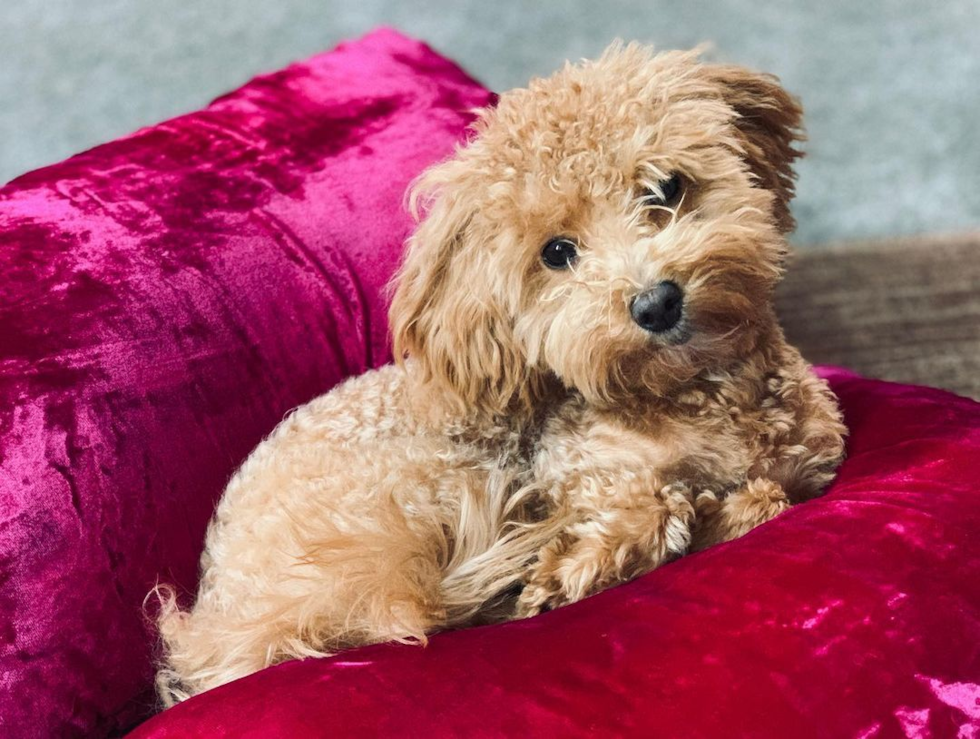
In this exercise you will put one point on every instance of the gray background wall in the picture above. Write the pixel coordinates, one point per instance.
(891, 87)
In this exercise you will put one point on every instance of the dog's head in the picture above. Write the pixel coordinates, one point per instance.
(618, 226)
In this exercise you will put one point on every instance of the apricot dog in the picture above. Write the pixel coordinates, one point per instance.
(590, 381)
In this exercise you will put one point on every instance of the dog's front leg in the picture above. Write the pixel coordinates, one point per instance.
(756, 502)
(609, 538)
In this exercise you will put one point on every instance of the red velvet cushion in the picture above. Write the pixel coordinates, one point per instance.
(164, 300)
(853, 615)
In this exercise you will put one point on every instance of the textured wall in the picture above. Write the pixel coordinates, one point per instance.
(890, 86)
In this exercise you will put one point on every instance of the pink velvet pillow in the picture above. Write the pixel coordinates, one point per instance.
(853, 615)
(164, 300)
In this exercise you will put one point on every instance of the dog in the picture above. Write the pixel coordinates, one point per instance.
(590, 381)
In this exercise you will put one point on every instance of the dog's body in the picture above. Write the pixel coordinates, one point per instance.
(568, 417)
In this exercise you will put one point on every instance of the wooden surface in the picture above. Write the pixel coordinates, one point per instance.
(906, 310)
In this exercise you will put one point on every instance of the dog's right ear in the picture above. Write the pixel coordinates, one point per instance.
(445, 313)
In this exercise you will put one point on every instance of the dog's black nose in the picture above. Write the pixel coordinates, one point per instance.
(659, 308)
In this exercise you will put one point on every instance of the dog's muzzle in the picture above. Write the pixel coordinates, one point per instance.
(658, 309)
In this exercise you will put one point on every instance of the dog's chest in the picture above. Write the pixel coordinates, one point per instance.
(580, 443)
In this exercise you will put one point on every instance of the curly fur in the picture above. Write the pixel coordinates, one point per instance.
(533, 445)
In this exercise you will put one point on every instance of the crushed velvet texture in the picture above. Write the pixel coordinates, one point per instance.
(164, 300)
(853, 615)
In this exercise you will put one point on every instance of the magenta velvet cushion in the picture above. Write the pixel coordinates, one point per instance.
(854, 615)
(164, 300)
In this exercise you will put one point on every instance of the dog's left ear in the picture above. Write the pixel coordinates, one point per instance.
(769, 123)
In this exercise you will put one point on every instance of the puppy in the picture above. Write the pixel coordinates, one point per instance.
(590, 381)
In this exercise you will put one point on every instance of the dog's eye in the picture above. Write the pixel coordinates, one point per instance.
(669, 189)
(559, 253)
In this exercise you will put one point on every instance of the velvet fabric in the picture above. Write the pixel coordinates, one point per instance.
(164, 300)
(853, 615)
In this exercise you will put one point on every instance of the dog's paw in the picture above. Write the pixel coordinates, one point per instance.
(674, 539)
(758, 501)
(534, 599)
(708, 521)
(544, 589)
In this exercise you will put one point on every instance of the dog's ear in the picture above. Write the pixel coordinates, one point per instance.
(769, 123)
(447, 314)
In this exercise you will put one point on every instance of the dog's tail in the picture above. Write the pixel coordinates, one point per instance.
(169, 622)
(199, 649)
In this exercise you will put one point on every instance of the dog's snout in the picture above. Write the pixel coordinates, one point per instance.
(659, 308)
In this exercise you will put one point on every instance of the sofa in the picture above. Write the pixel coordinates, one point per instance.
(168, 297)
